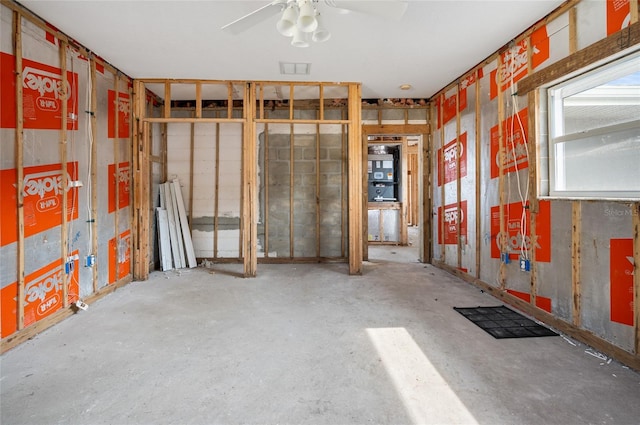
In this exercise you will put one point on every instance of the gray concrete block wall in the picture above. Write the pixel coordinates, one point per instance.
(317, 195)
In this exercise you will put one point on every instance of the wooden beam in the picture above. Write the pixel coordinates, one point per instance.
(532, 147)
(64, 112)
(458, 180)
(192, 142)
(19, 163)
(633, 12)
(216, 195)
(355, 180)
(198, 99)
(167, 99)
(600, 50)
(404, 237)
(249, 168)
(576, 232)
(230, 100)
(573, 30)
(116, 161)
(94, 169)
(502, 237)
(440, 168)
(291, 188)
(318, 234)
(266, 189)
(426, 185)
(478, 178)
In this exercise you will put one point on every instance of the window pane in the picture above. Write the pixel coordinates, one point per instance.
(614, 102)
(599, 163)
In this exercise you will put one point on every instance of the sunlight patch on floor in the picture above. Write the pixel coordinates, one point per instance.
(424, 392)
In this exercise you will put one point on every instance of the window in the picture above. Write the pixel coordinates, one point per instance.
(594, 133)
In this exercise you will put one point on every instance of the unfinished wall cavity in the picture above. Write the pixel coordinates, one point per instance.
(492, 178)
(66, 166)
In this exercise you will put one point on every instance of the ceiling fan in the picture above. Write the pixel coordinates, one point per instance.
(301, 19)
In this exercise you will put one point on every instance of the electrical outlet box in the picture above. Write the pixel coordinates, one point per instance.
(525, 265)
(504, 257)
(91, 260)
(68, 267)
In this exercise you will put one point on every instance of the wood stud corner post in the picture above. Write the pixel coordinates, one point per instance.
(635, 210)
(94, 169)
(355, 155)
(64, 239)
(502, 239)
(249, 198)
(19, 163)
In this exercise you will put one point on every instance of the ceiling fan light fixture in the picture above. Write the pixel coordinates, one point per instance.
(320, 34)
(307, 21)
(287, 23)
(299, 38)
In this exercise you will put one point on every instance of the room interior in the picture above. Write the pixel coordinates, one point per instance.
(214, 143)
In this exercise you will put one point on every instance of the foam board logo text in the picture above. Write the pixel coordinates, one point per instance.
(514, 150)
(448, 163)
(43, 91)
(121, 107)
(449, 220)
(121, 179)
(43, 195)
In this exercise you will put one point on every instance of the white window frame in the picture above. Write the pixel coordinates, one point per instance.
(551, 97)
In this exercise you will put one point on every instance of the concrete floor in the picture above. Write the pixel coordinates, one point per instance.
(305, 344)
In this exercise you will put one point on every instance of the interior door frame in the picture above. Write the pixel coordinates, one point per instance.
(424, 186)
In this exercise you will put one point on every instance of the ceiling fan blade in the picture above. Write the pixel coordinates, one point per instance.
(393, 9)
(255, 17)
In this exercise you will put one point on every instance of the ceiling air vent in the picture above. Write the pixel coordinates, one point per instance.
(289, 68)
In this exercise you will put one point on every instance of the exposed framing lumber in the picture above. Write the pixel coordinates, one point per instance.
(116, 161)
(478, 177)
(292, 186)
(192, 142)
(249, 172)
(19, 163)
(635, 209)
(216, 195)
(532, 147)
(601, 50)
(576, 233)
(64, 237)
(582, 335)
(318, 234)
(94, 168)
(426, 217)
(502, 238)
(573, 31)
(355, 180)
(440, 167)
(633, 12)
(458, 179)
(198, 99)
(404, 238)
(344, 198)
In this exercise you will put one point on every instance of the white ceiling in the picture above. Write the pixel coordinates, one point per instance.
(431, 45)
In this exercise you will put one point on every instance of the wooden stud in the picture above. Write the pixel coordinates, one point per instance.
(576, 232)
(532, 146)
(261, 113)
(116, 161)
(216, 195)
(164, 150)
(192, 143)
(635, 210)
(266, 190)
(64, 112)
(19, 163)
(502, 238)
(426, 216)
(318, 234)
(321, 111)
(633, 11)
(291, 94)
(573, 30)
(94, 169)
(198, 99)
(249, 216)
(478, 178)
(344, 199)
(404, 238)
(458, 179)
(440, 159)
(355, 180)
(291, 188)
(167, 99)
